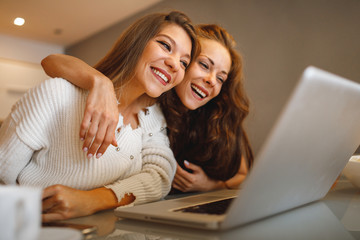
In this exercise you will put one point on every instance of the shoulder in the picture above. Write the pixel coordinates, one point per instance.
(57, 84)
(48, 97)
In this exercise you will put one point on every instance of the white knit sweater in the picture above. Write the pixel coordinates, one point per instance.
(40, 146)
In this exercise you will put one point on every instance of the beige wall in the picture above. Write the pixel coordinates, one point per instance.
(20, 68)
(278, 39)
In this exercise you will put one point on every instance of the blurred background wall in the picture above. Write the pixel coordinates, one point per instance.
(277, 38)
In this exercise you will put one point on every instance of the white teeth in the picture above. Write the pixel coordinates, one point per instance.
(198, 91)
(161, 75)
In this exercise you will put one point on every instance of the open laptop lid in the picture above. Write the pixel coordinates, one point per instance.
(307, 149)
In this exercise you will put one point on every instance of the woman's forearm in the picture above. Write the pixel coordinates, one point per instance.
(60, 202)
(74, 70)
(104, 198)
(101, 111)
(239, 177)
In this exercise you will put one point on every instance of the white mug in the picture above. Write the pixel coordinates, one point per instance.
(20, 212)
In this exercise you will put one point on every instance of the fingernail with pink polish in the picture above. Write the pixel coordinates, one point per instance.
(85, 149)
(186, 163)
(89, 156)
(98, 155)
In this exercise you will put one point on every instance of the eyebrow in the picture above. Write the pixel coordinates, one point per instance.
(173, 42)
(212, 63)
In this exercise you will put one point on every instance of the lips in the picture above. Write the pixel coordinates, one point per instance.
(199, 91)
(163, 76)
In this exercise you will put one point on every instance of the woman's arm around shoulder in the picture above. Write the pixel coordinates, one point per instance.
(101, 113)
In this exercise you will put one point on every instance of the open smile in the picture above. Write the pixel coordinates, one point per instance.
(162, 76)
(199, 91)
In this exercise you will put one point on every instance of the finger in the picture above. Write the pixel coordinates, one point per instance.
(178, 187)
(49, 191)
(98, 140)
(48, 203)
(184, 175)
(114, 142)
(192, 166)
(111, 132)
(110, 135)
(90, 134)
(183, 181)
(180, 170)
(176, 180)
(85, 124)
(52, 216)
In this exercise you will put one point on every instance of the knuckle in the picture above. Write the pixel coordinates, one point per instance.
(65, 215)
(58, 188)
(114, 119)
(106, 142)
(91, 132)
(89, 109)
(106, 116)
(83, 125)
(98, 140)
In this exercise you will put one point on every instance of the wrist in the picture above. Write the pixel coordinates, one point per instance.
(217, 184)
(103, 199)
(98, 80)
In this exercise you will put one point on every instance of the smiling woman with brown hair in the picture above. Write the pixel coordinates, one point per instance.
(43, 125)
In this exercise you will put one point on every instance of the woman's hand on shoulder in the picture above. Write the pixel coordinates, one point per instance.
(100, 118)
(101, 112)
(195, 181)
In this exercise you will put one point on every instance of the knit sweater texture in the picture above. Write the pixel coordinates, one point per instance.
(40, 146)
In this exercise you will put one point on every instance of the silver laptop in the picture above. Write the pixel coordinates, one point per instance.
(313, 221)
(309, 145)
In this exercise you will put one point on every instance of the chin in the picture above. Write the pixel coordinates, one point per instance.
(191, 106)
(154, 92)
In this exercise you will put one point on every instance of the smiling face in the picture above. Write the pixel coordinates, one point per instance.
(164, 60)
(206, 75)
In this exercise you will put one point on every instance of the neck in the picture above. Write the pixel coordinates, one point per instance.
(132, 99)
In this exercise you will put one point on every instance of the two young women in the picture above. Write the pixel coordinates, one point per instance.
(39, 143)
(204, 113)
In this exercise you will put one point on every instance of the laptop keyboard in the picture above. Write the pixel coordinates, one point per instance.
(213, 208)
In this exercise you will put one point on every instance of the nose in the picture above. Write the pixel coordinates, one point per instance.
(210, 79)
(173, 62)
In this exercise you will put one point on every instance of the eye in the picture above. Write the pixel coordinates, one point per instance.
(220, 79)
(204, 65)
(184, 63)
(165, 45)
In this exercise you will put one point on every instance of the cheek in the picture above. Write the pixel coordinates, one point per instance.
(216, 91)
(179, 77)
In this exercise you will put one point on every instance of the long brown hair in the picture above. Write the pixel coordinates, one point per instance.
(120, 62)
(213, 135)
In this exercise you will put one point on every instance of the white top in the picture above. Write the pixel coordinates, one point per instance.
(40, 146)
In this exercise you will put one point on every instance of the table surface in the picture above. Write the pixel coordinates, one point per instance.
(337, 216)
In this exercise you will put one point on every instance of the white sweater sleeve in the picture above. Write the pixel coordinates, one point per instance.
(158, 167)
(29, 127)
(23, 132)
(14, 153)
